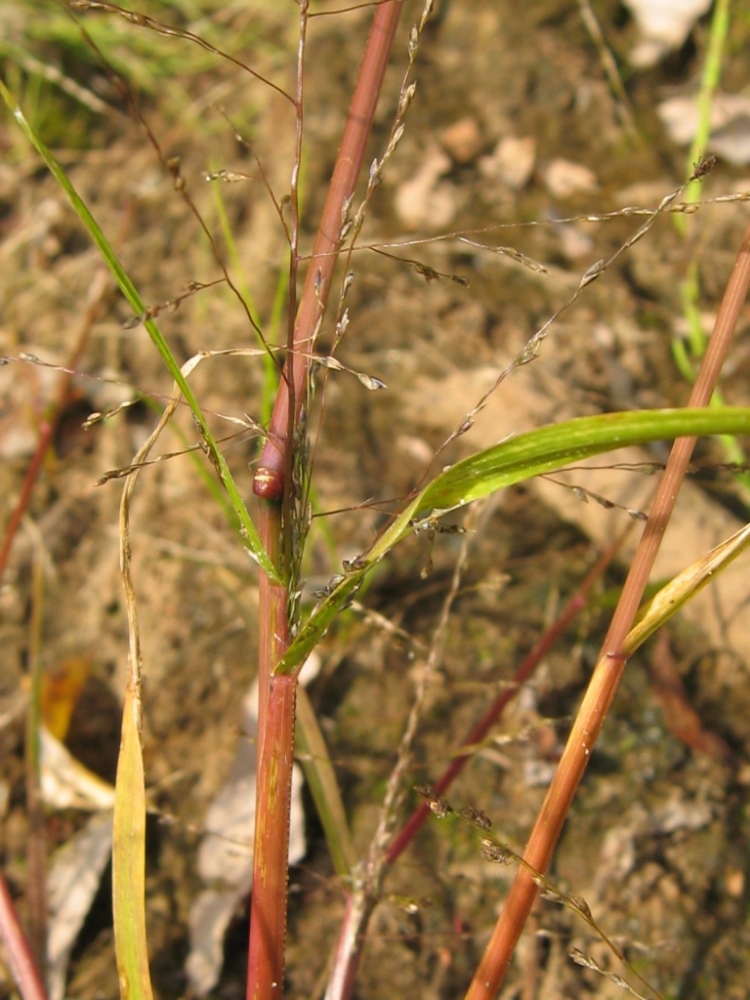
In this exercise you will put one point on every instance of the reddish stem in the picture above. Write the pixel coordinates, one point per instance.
(611, 663)
(46, 433)
(525, 669)
(48, 425)
(269, 477)
(360, 906)
(20, 958)
(272, 485)
(268, 909)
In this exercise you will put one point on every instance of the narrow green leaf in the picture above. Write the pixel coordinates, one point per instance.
(321, 779)
(535, 453)
(554, 446)
(248, 531)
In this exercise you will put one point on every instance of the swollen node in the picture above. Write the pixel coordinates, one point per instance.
(268, 484)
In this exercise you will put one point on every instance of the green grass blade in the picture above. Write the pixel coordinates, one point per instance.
(549, 448)
(535, 453)
(270, 370)
(248, 531)
(313, 754)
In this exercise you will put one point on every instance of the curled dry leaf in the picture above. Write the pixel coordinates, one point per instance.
(76, 871)
(225, 857)
(72, 884)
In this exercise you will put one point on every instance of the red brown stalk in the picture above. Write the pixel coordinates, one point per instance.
(20, 956)
(524, 671)
(272, 484)
(360, 905)
(270, 481)
(48, 424)
(611, 661)
(26, 969)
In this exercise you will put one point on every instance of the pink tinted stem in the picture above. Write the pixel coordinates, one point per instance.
(611, 663)
(269, 479)
(271, 485)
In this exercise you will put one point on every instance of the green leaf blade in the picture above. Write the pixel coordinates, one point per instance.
(248, 531)
(535, 453)
(548, 449)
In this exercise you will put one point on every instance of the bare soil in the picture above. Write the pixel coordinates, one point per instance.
(657, 842)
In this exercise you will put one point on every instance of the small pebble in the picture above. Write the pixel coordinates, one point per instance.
(563, 178)
(462, 140)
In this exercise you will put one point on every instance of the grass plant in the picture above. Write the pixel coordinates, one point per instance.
(273, 531)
